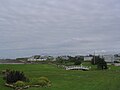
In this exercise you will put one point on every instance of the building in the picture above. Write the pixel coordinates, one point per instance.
(108, 58)
(37, 58)
(88, 58)
(117, 57)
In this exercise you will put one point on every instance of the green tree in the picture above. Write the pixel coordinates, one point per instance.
(59, 60)
(78, 60)
(102, 64)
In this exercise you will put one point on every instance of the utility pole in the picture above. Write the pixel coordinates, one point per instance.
(94, 57)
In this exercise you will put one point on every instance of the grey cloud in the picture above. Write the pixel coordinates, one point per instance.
(30, 27)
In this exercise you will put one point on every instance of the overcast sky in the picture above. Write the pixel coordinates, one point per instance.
(57, 27)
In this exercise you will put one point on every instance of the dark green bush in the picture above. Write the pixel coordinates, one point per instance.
(14, 76)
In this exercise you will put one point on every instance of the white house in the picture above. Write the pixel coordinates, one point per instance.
(65, 57)
(108, 58)
(88, 58)
(37, 58)
(117, 57)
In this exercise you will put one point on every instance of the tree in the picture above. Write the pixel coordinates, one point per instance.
(101, 64)
(78, 60)
(59, 60)
(71, 59)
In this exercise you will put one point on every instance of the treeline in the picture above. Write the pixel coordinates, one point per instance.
(69, 60)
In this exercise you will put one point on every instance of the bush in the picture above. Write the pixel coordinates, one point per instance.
(45, 79)
(19, 84)
(42, 81)
(14, 76)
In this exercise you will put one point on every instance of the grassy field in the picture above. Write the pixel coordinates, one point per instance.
(69, 80)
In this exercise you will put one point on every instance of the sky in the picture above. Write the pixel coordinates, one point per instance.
(58, 27)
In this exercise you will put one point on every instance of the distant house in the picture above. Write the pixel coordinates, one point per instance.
(88, 58)
(117, 57)
(64, 57)
(108, 58)
(37, 58)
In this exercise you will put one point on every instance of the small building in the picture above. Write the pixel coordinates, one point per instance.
(108, 58)
(37, 58)
(117, 57)
(88, 58)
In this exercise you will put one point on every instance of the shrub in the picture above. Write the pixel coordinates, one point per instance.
(45, 79)
(42, 81)
(19, 84)
(33, 81)
(14, 76)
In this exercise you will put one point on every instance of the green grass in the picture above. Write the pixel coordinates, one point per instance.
(69, 80)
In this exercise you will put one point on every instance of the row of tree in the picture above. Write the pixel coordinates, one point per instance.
(77, 60)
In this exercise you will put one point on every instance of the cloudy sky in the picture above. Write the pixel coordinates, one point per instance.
(57, 27)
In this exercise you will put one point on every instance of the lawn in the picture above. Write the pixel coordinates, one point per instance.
(69, 80)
